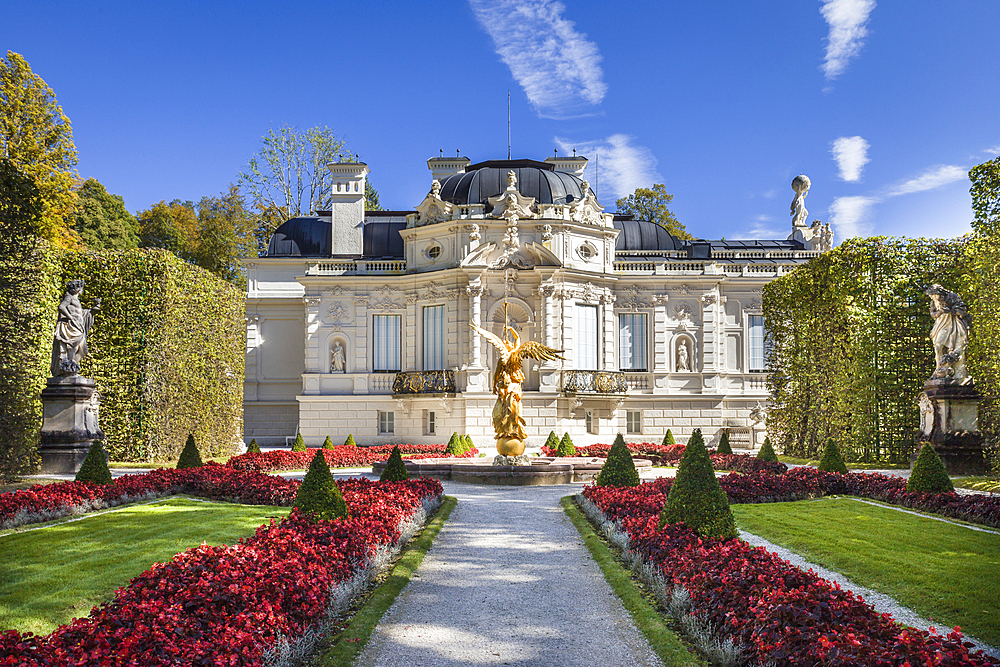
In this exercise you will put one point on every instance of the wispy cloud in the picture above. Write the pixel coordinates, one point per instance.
(848, 21)
(849, 215)
(624, 166)
(935, 177)
(762, 227)
(558, 67)
(993, 151)
(851, 154)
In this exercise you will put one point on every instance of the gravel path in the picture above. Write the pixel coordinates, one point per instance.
(507, 582)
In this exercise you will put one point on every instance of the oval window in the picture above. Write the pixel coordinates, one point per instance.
(434, 251)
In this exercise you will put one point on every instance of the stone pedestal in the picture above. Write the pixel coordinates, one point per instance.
(69, 426)
(949, 420)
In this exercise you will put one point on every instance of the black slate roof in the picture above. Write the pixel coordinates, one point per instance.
(305, 236)
(642, 235)
(381, 234)
(488, 179)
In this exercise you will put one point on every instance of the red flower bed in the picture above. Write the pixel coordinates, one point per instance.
(225, 605)
(671, 455)
(781, 614)
(338, 457)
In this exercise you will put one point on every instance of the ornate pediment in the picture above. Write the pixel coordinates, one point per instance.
(433, 209)
(587, 209)
(511, 204)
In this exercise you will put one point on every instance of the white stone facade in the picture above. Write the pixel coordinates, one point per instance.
(459, 261)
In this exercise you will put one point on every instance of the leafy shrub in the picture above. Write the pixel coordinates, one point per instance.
(668, 439)
(253, 447)
(395, 470)
(832, 461)
(299, 445)
(454, 445)
(566, 447)
(95, 466)
(619, 469)
(696, 499)
(766, 452)
(724, 446)
(350, 441)
(319, 496)
(190, 458)
(328, 443)
(469, 445)
(552, 441)
(929, 475)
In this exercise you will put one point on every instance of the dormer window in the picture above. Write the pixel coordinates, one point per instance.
(434, 252)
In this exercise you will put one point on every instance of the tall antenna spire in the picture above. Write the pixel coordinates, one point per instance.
(597, 174)
(508, 123)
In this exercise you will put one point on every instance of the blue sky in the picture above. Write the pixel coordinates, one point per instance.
(884, 104)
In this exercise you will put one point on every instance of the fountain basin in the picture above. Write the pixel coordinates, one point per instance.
(543, 470)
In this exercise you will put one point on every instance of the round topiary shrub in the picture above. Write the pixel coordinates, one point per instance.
(190, 458)
(724, 447)
(668, 439)
(253, 447)
(299, 445)
(619, 468)
(95, 466)
(552, 442)
(832, 461)
(566, 446)
(696, 497)
(766, 452)
(928, 475)
(454, 445)
(395, 469)
(319, 496)
(328, 443)
(350, 441)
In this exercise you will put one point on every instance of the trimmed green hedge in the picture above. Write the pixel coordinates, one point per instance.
(167, 350)
(929, 475)
(696, 497)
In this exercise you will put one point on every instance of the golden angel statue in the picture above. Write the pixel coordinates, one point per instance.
(507, 379)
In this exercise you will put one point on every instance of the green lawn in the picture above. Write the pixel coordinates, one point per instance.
(942, 571)
(51, 575)
(991, 484)
(851, 465)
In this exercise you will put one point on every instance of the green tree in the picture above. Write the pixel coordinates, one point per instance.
(95, 466)
(651, 204)
(101, 219)
(299, 445)
(328, 443)
(566, 446)
(552, 441)
(832, 460)
(668, 438)
(350, 441)
(766, 452)
(36, 137)
(172, 226)
(395, 469)
(371, 197)
(696, 497)
(929, 475)
(253, 447)
(319, 496)
(190, 457)
(724, 446)
(224, 234)
(619, 468)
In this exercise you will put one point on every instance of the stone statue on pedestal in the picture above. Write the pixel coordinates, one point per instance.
(950, 334)
(69, 345)
(801, 185)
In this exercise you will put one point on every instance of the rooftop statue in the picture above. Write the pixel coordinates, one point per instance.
(508, 377)
(950, 335)
(801, 185)
(69, 345)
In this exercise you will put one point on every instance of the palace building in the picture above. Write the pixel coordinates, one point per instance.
(358, 321)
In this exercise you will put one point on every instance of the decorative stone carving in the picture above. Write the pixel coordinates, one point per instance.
(311, 300)
(73, 323)
(474, 234)
(587, 209)
(433, 209)
(337, 358)
(758, 414)
(387, 304)
(822, 236)
(546, 232)
(950, 335)
(709, 298)
(801, 185)
(362, 299)
(338, 312)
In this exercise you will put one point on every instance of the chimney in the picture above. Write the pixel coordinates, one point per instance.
(443, 167)
(348, 206)
(569, 165)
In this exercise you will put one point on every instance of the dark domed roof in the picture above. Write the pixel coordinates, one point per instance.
(488, 179)
(306, 236)
(381, 233)
(642, 235)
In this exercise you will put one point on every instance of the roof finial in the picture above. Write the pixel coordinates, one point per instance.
(442, 152)
(458, 153)
(574, 152)
(557, 151)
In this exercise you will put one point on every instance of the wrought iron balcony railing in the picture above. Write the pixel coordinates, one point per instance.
(595, 382)
(424, 382)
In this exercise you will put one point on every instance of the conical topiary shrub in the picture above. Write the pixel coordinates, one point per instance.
(469, 445)
(668, 439)
(619, 469)
(928, 475)
(552, 442)
(832, 461)
(253, 447)
(395, 469)
(350, 441)
(299, 445)
(95, 466)
(566, 446)
(328, 443)
(454, 445)
(724, 447)
(190, 458)
(319, 496)
(766, 452)
(696, 497)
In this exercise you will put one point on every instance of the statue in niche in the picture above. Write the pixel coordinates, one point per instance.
(801, 185)
(69, 345)
(508, 424)
(683, 357)
(950, 335)
(337, 358)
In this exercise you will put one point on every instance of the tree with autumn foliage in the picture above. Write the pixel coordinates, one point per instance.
(37, 140)
(101, 219)
(651, 204)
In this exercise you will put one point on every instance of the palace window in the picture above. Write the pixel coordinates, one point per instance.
(591, 423)
(433, 338)
(586, 333)
(430, 420)
(632, 341)
(633, 421)
(755, 335)
(386, 422)
(386, 343)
